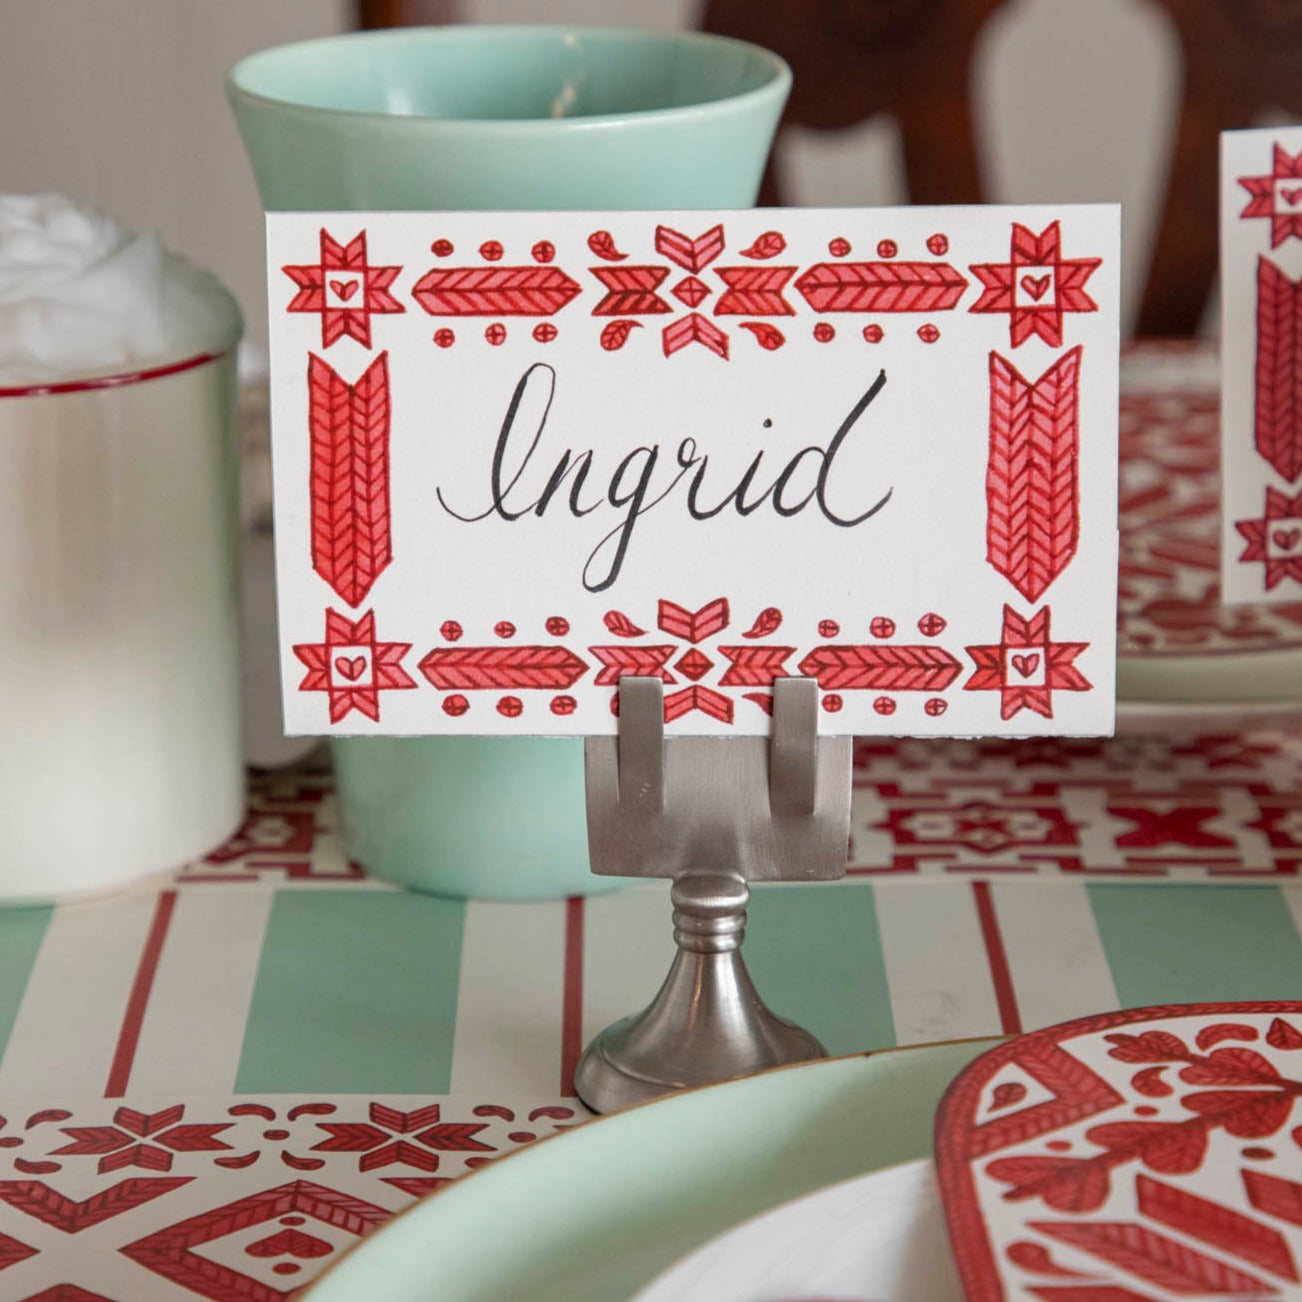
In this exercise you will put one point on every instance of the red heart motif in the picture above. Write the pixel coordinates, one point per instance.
(1286, 539)
(350, 669)
(290, 1243)
(1291, 195)
(1036, 286)
(1027, 665)
(344, 288)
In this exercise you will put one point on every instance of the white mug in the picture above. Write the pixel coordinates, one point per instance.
(120, 749)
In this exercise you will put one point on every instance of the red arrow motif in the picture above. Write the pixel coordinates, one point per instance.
(494, 291)
(882, 286)
(481, 667)
(881, 668)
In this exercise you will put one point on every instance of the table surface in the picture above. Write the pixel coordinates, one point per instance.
(195, 1077)
(212, 1085)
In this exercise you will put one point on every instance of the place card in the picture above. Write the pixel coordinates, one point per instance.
(519, 455)
(1261, 365)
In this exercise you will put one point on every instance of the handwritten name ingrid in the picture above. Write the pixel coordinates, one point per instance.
(638, 482)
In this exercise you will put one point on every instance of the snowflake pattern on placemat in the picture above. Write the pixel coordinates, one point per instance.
(233, 1198)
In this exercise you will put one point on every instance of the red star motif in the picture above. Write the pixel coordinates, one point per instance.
(344, 288)
(1036, 285)
(1026, 667)
(421, 1131)
(120, 1144)
(352, 666)
(1276, 538)
(1278, 195)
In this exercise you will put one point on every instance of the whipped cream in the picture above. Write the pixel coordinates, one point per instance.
(80, 296)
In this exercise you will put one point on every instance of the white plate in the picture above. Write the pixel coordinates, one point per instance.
(879, 1236)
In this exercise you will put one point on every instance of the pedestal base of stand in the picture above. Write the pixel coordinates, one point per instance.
(707, 1024)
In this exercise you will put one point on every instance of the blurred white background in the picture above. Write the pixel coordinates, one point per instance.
(119, 103)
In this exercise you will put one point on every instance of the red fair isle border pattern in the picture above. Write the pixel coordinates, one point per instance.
(1026, 666)
(671, 276)
(231, 1198)
(1067, 1157)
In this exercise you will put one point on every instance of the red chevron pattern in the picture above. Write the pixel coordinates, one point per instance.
(349, 476)
(494, 291)
(1278, 422)
(478, 667)
(881, 668)
(693, 254)
(1032, 486)
(754, 291)
(694, 329)
(641, 661)
(696, 697)
(38, 1200)
(754, 666)
(631, 290)
(882, 286)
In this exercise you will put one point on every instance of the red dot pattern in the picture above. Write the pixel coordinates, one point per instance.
(504, 628)
(936, 707)
(445, 338)
(874, 334)
(838, 247)
(557, 626)
(543, 251)
(455, 705)
(510, 707)
(495, 333)
(881, 626)
(887, 249)
(938, 244)
(828, 628)
(931, 625)
(563, 705)
(884, 705)
(490, 251)
(832, 703)
(824, 332)
(441, 248)
(450, 631)
(544, 332)
(928, 333)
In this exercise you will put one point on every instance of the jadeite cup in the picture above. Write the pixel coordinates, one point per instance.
(497, 119)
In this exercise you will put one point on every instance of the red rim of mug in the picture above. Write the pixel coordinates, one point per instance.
(111, 381)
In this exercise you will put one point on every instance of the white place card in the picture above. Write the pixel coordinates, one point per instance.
(1261, 365)
(518, 455)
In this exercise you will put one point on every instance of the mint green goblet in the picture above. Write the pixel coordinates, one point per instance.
(495, 119)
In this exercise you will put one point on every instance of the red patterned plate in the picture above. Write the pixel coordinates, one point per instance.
(1140, 1156)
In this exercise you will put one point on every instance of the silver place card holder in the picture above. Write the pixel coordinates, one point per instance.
(713, 813)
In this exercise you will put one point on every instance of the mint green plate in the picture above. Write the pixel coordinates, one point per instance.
(595, 1214)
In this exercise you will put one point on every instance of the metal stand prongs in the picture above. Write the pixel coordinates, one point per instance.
(713, 813)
